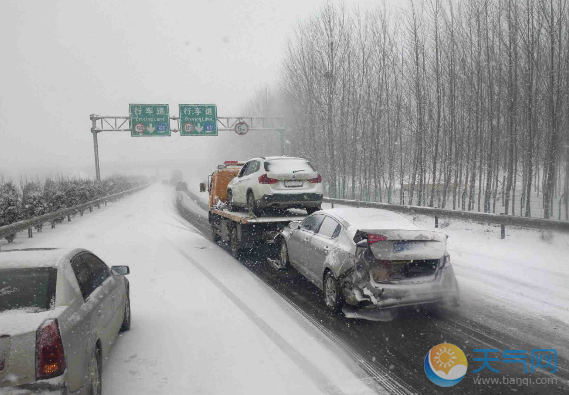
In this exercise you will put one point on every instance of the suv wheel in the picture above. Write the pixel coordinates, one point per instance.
(229, 200)
(94, 379)
(283, 256)
(252, 205)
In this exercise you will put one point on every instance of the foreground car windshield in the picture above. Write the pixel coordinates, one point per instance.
(30, 289)
(288, 165)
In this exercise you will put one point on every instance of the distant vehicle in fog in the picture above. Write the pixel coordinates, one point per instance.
(276, 182)
(60, 311)
(369, 259)
(177, 176)
(181, 186)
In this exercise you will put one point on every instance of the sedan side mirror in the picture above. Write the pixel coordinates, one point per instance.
(120, 270)
(294, 225)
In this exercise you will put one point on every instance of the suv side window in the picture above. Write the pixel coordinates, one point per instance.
(312, 223)
(329, 228)
(84, 276)
(98, 268)
(243, 170)
(256, 165)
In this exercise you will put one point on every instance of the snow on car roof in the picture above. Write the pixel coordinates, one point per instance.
(36, 257)
(269, 158)
(371, 218)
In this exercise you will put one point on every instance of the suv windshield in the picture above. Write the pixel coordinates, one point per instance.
(288, 166)
(30, 289)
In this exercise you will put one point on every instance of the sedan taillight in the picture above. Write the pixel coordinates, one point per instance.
(264, 179)
(316, 180)
(50, 358)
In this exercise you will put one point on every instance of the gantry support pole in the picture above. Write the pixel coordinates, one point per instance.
(96, 148)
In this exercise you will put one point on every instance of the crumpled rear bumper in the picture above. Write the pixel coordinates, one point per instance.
(443, 289)
(54, 386)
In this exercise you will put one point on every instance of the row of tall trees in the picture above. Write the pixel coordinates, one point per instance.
(447, 103)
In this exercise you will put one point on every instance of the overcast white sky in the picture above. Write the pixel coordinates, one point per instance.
(65, 59)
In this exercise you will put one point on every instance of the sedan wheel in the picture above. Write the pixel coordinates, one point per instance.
(229, 200)
(332, 294)
(95, 381)
(126, 320)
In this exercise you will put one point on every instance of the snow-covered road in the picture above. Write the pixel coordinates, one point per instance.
(206, 323)
(202, 323)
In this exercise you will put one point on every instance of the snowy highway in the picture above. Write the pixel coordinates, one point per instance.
(205, 323)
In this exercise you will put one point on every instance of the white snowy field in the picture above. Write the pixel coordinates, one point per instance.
(202, 323)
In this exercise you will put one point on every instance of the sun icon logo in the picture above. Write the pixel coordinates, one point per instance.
(444, 357)
(445, 365)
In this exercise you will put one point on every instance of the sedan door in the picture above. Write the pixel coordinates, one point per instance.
(298, 244)
(321, 245)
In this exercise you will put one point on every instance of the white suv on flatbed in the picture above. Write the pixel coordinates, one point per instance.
(276, 182)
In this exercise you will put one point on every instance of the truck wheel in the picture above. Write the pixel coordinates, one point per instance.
(214, 236)
(311, 210)
(229, 200)
(251, 205)
(234, 244)
(332, 293)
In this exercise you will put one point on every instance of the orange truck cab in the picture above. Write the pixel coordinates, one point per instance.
(219, 179)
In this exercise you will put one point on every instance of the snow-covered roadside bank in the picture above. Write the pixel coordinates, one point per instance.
(202, 323)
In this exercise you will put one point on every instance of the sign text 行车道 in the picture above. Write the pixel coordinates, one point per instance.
(198, 120)
(149, 120)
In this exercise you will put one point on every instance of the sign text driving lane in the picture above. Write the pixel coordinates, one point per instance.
(198, 120)
(149, 120)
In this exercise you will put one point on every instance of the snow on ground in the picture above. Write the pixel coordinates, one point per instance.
(202, 323)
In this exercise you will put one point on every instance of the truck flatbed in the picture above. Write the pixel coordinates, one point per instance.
(246, 218)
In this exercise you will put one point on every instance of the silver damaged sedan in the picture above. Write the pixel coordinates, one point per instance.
(369, 260)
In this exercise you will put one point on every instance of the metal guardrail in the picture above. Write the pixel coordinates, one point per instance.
(502, 220)
(61, 214)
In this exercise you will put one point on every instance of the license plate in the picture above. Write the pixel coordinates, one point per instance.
(402, 246)
(293, 184)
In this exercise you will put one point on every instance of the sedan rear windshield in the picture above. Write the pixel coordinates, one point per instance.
(288, 166)
(28, 289)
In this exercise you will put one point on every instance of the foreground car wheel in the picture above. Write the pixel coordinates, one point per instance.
(95, 382)
(126, 320)
(332, 295)
(283, 256)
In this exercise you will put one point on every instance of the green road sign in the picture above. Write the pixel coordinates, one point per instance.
(198, 120)
(149, 120)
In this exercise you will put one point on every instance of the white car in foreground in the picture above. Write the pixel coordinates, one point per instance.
(369, 259)
(276, 182)
(60, 312)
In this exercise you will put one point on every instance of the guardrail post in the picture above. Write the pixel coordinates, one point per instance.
(98, 206)
(436, 221)
(105, 202)
(68, 217)
(332, 204)
(502, 231)
(81, 211)
(90, 209)
(30, 233)
(52, 224)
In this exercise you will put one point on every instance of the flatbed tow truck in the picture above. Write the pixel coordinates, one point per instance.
(241, 230)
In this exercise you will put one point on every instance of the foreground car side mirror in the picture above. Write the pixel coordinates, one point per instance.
(294, 225)
(202, 187)
(120, 270)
